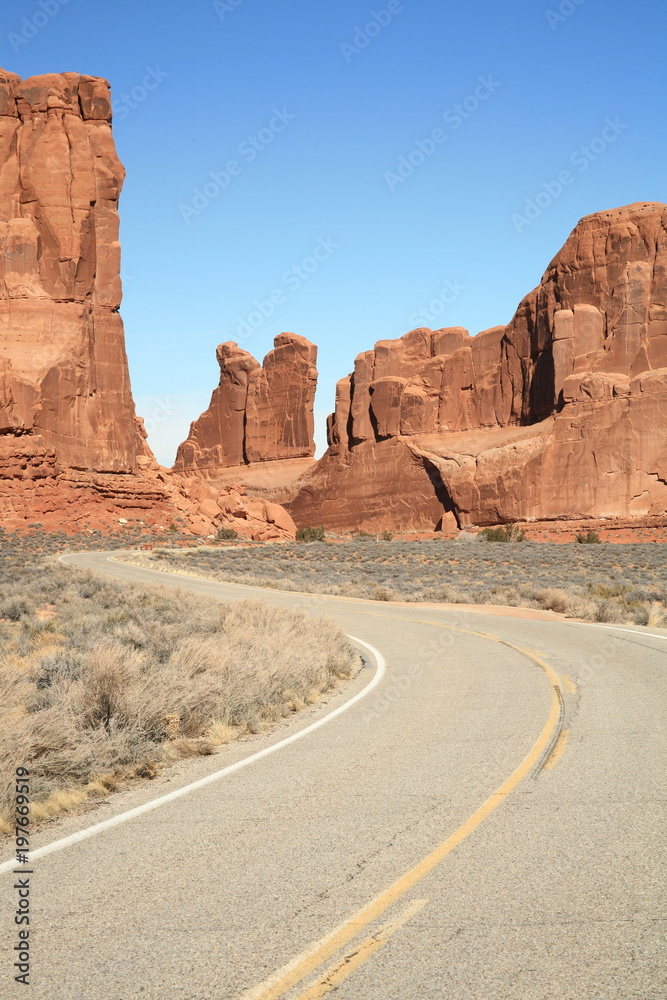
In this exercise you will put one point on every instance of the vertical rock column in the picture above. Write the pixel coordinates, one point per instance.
(61, 335)
(258, 413)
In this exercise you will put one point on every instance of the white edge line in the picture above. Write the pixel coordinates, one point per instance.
(108, 824)
(620, 628)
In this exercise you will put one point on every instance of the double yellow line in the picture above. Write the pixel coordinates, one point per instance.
(309, 961)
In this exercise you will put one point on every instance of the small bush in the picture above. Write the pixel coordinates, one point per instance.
(510, 533)
(651, 614)
(387, 536)
(607, 590)
(310, 534)
(15, 608)
(554, 599)
(590, 538)
(227, 535)
(384, 594)
(361, 535)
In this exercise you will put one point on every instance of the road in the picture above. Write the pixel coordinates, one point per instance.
(486, 822)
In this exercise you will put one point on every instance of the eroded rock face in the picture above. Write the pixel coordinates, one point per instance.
(64, 369)
(72, 451)
(258, 413)
(561, 414)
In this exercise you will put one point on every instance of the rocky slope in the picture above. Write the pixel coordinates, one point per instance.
(71, 445)
(560, 415)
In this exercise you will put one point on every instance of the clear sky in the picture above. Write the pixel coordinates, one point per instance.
(348, 170)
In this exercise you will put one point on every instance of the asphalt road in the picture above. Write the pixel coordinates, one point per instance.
(487, 821)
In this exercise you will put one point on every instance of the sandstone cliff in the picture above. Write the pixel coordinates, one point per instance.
(63, 369)
(258, 413)
(560, 415)
(70, 442)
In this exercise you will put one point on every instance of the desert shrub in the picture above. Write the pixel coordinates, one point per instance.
(361, 535)
(60, 665)
(227, 534)
(652, 615)
(554, 599)
(129, 678)
(607, 611)
(387, 536)
(384, 594)
(310, 534)
(445, 594)
(607, 591)
(587, 538)
(16, 608)
(510, 533)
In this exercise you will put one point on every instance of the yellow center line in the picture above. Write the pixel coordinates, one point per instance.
(557, 751)
(353, 959)
(569, 685)
(310, 960)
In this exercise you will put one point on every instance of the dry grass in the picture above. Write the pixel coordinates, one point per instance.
(101, 682)
(605, 583)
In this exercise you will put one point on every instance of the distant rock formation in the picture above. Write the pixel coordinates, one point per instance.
(258, 413)
(560, 415)
(72, 450)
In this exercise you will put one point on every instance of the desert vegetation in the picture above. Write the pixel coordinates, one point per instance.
(101, 682)
(508, 533)
(604, 583)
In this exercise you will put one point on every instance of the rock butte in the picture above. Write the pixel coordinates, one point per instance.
(561, 415)
(258, 414)
(72, 451)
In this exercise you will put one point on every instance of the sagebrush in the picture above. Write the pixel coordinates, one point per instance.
(606, 583)
(100, 681)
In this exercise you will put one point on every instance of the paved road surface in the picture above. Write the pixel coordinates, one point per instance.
(247, 887)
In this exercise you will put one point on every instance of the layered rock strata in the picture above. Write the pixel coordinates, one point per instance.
(562, 414)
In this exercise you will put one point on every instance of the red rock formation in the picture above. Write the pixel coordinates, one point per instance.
(64, 369)
(71, 445)
(561, 414)
(257, 413)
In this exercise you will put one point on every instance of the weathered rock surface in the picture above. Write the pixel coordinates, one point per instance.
(560, 415)
(258, 413)
(71, 445)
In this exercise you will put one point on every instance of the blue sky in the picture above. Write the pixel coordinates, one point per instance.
(348, 170)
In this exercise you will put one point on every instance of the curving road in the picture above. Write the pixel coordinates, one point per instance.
(485, 821)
